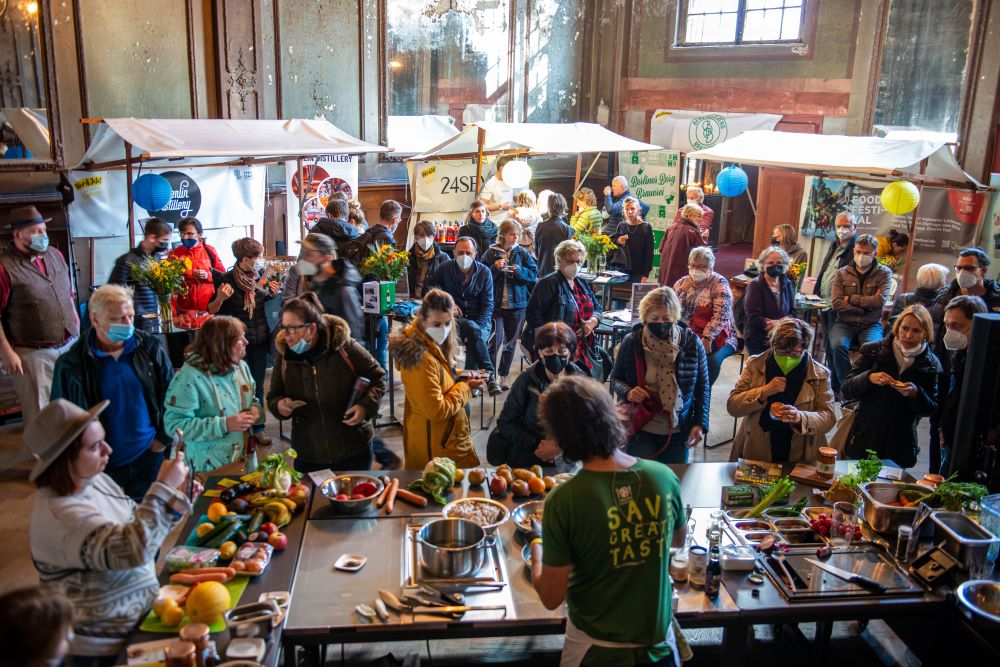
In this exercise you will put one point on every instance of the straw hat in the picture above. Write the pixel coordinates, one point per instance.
(54, 429)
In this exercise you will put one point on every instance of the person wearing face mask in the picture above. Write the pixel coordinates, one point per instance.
(662, 362)
(470, 284)
(514, 273)
(695, 196)
(787, 238)
(895, 381)
(479, 226)
(435, 421)
(707, 307)
(333, 279)
(336, 224)
(242, 293)
(681, 237)
(315, 369)
(205, 263)
(519, 438)
(562, 296)
(155, 244)
(426, 257)
(860, 292)
(37, 309)
(786, 374)
(89, 541)
(839, 254)
(635, 239)
(958, 315)
(769, 297)
(113, 361)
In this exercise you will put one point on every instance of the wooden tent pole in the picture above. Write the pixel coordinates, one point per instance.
(480, 141)
(302, 196)
(913, 229)
(128, 188)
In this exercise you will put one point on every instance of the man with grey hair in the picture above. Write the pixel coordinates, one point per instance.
(614, 199)
(838, 255)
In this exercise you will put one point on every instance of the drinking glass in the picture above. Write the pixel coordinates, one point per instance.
(845, 524)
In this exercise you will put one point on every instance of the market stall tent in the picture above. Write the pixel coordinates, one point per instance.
(409, 135)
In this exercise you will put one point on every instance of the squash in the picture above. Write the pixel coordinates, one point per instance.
(207, 601)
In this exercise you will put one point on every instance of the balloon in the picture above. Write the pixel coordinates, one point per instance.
(516, 174)
(731, 181)
(900, 197)
(152, 192)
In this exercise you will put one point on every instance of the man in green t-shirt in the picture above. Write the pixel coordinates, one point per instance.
(607, 535)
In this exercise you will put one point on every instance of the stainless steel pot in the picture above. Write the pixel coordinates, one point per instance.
(451, 548)
(880, 515)
(963, 538)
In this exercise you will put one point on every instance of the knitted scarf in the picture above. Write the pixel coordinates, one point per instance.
(661, 369)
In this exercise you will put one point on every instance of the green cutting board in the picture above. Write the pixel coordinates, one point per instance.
(236, 587)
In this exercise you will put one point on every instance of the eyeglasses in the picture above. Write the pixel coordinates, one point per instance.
(291, 327)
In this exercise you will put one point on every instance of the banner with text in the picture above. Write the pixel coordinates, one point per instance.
(688, 131)
(991, 228)
(652, 177)
(440, 185)
(331, 174)
(947, 219)
(218, 196)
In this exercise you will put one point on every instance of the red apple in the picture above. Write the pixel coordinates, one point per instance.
(278, 540)
(268, 527)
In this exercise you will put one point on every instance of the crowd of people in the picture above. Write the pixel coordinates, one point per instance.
(103, 404)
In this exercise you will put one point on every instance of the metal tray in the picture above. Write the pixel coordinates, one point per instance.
(815, 584)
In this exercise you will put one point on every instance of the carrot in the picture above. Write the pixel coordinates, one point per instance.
(181, 578)
(210, 570)
(410, 497)
(386, 483)
(390, 500)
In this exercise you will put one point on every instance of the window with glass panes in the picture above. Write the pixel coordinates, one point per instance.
(740, 21)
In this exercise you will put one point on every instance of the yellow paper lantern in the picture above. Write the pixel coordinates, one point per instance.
(900, 197)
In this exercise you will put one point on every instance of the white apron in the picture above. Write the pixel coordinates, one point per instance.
(578, 642)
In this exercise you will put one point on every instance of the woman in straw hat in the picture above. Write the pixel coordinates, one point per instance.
(88, 539)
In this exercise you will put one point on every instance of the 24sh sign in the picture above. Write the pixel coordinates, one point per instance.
(441, 185)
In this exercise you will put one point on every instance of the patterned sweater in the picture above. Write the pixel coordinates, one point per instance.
(98, 548)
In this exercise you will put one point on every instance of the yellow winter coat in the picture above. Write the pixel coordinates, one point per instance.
(434, 419)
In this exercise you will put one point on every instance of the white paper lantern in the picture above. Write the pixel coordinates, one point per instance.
(517, 174)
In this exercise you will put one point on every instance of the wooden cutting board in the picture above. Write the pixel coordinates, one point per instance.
(808, 475)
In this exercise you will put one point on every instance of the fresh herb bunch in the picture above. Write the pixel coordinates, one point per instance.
(954, 496)
(868, 470)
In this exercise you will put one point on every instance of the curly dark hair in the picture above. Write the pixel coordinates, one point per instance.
(580, 415)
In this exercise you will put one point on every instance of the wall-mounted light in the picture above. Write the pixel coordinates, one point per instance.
(395, 64)
(31, 8)
(603, 114)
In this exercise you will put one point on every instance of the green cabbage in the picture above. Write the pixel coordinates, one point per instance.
(437, 480)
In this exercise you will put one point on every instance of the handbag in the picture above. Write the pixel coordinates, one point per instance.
(840, 439)
(600, 362)
(637, 415)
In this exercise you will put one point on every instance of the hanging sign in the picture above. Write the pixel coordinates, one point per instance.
(331, 174)
(443, 185)
(218, 196)
(652, 178)
(688, 131)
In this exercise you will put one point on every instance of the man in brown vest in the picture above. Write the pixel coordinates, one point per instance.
(37, 310)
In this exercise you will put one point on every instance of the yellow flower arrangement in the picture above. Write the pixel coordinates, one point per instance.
(164, 277)
(385, 263)
(596, 245)
(796, 271)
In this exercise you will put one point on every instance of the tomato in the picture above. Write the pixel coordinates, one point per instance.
(358, 496)
(342, 496)
(364, 489)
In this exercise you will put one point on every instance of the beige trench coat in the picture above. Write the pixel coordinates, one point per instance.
(815, 402)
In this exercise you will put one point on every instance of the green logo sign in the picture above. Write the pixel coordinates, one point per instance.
(706, 131)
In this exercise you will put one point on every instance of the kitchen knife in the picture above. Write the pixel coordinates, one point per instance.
(456, 609)
(864, 582)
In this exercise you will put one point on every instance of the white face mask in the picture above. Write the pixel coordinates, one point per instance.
(425, 242)
(910, 352)
(967, 279)
(863, 261)
(258, 265)
(439, 334)
(844, 233)
(306, 268)
(464, 262)
(697, 276)
(570, 271)
(955, 340)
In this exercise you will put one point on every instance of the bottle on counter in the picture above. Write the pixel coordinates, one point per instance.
(713, 574)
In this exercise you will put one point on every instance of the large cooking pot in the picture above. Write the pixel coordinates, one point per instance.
(451, 548)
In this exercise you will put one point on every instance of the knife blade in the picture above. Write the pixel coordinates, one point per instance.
(851, 577)
(457, 609)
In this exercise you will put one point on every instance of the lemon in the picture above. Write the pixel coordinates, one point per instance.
(204, 529)
(227, 550)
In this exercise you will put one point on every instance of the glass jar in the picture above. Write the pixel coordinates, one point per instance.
(197, 634)
(826, 461)
(180, 654)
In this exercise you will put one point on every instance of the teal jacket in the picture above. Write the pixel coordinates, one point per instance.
(198, 403)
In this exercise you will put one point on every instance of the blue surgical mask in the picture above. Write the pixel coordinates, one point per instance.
(301, 346)
(40, 242)
(189, 243)
(120, 333)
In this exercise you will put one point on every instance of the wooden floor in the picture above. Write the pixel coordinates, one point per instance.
(876, 646)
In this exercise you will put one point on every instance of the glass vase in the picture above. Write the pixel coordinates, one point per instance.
(166, 313)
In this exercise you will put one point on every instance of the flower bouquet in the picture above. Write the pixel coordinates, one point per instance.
(165, 277)
(385, 263)
(596, 246)
(796, 272)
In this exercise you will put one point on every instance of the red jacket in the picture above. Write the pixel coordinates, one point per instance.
(200, 292)
(707, 215)
(680, 239)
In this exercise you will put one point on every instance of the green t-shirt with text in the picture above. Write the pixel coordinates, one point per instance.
(614, 529)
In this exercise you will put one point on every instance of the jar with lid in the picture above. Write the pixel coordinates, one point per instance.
(826, 461)
(180, 654)
(197, 634)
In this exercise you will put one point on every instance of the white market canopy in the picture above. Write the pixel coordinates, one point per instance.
(837, 155)
(533, 139)
(204, 141)
(409, 135)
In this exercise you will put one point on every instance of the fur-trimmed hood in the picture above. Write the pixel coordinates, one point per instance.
(409, 347)
(336, 329)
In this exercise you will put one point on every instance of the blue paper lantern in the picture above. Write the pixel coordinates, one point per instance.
(732, 181)
(152, 192)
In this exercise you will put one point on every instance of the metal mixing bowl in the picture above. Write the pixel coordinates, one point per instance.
(979, 601)
(343, 484)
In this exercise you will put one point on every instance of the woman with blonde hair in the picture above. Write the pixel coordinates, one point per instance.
(784, 398)
(587, 219)
(434, 419)
(662, 367)
(682, 236)
(895, 381)
(786, 237)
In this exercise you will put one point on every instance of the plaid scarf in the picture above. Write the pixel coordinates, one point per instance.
(248, 283)
(584, 311)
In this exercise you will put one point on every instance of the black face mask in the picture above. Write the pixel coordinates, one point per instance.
(555, 363)
(162, 247)
(774, 240)
(776, 270)
(660, 330)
